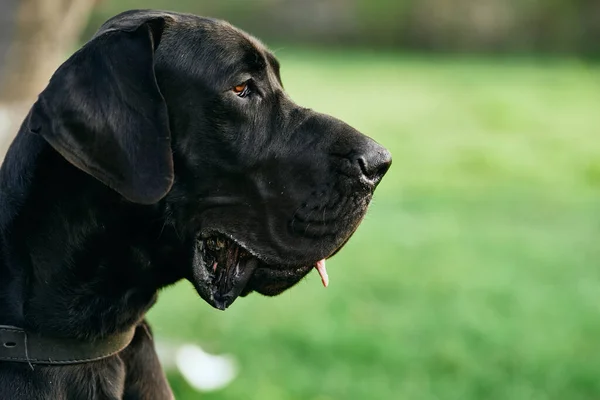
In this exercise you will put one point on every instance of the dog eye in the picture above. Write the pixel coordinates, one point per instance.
(242, 90)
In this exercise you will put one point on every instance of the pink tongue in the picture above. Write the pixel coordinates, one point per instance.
(320, 266)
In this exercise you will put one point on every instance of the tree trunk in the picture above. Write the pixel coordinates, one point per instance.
(35, 37)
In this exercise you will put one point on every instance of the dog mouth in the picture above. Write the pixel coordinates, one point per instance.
(223, 270)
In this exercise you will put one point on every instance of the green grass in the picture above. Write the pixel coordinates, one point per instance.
(476, 274)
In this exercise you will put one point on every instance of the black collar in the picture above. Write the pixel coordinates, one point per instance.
(17, 345)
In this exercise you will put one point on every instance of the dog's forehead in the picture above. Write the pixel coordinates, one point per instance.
(217, 30)
(191, 35)
(219, 37)
(210, 46)
(194, 47)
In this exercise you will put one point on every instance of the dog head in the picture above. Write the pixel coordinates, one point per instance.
(191, 113)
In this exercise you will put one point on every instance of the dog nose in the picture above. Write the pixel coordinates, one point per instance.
(374, 162)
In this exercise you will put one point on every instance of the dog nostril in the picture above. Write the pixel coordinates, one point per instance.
(10, 345)
(363, 166)
(375, 165)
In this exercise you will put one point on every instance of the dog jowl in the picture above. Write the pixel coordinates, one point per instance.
(179, 132)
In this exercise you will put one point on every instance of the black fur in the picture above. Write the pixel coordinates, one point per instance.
(136, 149)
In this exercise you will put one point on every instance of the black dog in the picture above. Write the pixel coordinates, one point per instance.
(166, 148)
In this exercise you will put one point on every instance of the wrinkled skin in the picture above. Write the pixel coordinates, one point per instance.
(165, 149)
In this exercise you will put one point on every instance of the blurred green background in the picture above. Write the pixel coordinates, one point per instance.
(476, 273)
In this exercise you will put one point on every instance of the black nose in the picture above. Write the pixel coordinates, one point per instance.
(374, 163)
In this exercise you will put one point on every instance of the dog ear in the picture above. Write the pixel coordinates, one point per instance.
(104, 113)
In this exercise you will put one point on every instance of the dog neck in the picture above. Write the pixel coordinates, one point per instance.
(81, 262)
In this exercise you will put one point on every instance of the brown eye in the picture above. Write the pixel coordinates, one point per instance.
(242, 90)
